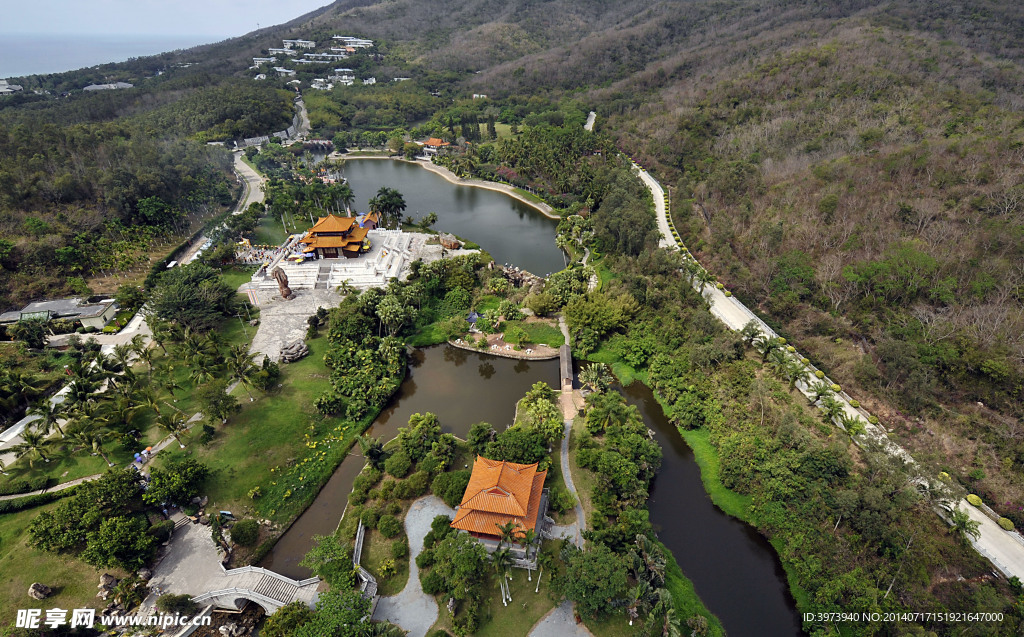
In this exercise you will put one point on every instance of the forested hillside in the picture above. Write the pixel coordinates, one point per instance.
(91, 182)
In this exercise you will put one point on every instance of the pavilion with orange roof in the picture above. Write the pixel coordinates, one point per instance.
(498, 493)
(333, 236)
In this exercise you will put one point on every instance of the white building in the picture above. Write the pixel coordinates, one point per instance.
(370, 80)
(358, 43)
(258, 61)
(283, 72)
(107, 87)
(299, 44)
(260, 76)
(281, 51)
(325, 57)
(7, 88)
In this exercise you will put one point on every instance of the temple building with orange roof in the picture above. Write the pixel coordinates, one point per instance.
(333, 236)
(498, 493)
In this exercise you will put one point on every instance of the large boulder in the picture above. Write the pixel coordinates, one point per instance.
(145, 574)
(39, 591)
(107, 581)
(294, 351)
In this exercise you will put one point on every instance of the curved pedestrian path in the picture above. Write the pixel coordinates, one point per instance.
(560, 622)
(1005, 549)
(412, 609)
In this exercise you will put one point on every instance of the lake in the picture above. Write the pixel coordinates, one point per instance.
(511, 231)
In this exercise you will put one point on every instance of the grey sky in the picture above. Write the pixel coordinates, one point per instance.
(215, 18)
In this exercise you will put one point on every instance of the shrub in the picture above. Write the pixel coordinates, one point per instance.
(398, 464)
(432, 582)
(387, 569)
(782, 341)
(399, 549)
(790, 349)
(1006, 524)
(450, 487)
(417, 484)
(425, 559)
(181, 604)
(728, 293)
(819, 374)
(720, 286)
(389, 526)
(854, 403)
(836, 388)
(873, 420)
(805, 361)
(393, 508)
(973, 499)
(162, 530)
(245, 532)
(369, 517)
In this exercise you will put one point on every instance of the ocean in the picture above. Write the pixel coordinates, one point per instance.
(22, 54)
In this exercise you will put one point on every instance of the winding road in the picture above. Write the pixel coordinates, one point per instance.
(1005, 549)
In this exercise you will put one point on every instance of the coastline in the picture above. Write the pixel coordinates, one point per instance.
(451, 177)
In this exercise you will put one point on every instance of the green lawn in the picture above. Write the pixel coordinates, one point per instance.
(376, 549)
(539, 332)
(270, 232)
(235, 276)
(502, 130)
(73, 582)
(268, 435)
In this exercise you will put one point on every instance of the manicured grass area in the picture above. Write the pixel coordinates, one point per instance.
(488, 302)
(376, 549)
(429, 335)
(502, 130)
(259, 444)
(539, 332)
(626, 374)
(529, 196)
(74, 582)
(235, 276)
(270, 232)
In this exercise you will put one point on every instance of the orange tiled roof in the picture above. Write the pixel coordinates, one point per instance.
(434, 141)
(331, 223)
(498, 493)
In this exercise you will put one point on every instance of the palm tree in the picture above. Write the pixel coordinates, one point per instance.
(832, 408)
(765, 345)
(50, 414)
(508, 533)
(204, 369)
(596, 377)
(543, 559)
(852, 423)
(242, 367)
(750, 332)
(636, 600)
(91, 437)
(527, 538)
(795, 372)
(964, 526)
(32, 442)
(21, 384)
(819, 390)
(703, 278)
(373, 450)
(172, 424)
(653, 558)
(3, 468)
(502, 560)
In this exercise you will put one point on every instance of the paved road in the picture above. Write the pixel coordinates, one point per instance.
(581, 519)
(251, 181)
(412, 609)
(1005, 550)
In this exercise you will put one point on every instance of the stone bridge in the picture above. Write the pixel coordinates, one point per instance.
(266, 588)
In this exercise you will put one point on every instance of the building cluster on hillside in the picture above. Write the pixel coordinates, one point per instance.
(7, 88)
(94, 315)
(345, 46)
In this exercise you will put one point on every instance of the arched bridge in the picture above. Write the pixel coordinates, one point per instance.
(266, 588)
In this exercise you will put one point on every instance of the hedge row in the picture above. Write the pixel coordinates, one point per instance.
(19, 504)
